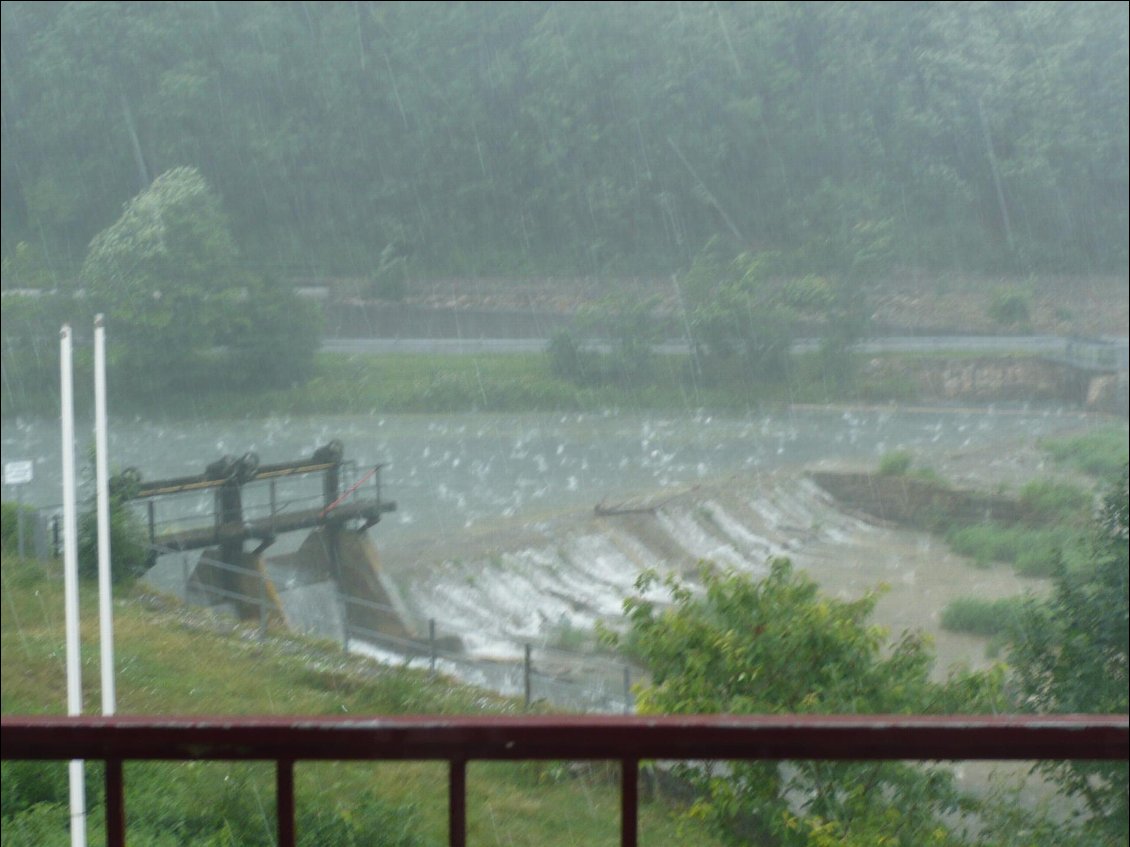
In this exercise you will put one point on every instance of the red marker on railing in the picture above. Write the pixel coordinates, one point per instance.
(352, 488)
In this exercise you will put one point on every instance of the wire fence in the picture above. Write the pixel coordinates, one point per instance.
(579, 680)
(588, 681)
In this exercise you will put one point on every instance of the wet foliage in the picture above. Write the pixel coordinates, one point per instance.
(778, 646)
(1071, 654)
(384, 140)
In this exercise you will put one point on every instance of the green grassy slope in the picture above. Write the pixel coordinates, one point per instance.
(176, 660)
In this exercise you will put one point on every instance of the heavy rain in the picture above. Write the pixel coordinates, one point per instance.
(557, 358)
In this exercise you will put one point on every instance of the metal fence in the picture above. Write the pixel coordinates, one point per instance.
(582, 680)
(587, 681)
(287, 740)
(579, 680)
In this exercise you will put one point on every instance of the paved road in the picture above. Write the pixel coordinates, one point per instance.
(1042, 344)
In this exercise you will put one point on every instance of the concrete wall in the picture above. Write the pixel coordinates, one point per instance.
(988, 379)
(915, 502)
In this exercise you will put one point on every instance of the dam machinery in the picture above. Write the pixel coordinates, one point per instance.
(236, 509)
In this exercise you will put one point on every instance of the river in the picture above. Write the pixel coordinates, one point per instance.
(453, 471)
(494, 535)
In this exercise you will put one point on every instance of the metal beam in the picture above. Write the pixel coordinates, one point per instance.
(694, 737)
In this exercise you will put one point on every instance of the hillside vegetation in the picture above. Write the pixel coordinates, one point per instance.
(394, 139)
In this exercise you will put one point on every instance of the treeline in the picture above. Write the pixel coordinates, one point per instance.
(384, 139)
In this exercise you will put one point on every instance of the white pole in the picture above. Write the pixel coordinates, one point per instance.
(105, 594)
(70, 582)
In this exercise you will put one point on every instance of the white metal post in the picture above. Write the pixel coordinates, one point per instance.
(102, 481)
(70, 581)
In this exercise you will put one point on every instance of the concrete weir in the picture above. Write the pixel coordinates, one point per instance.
(349, 561)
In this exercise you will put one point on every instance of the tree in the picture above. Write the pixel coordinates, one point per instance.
(179, 307)
(740, 313)
(166, 275)
(1071, 655)
(271, 341)
(541, 137)
(778, 646)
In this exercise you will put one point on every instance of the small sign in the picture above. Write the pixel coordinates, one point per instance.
(18, 473)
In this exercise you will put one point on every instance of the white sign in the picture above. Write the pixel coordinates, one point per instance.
(18, 473)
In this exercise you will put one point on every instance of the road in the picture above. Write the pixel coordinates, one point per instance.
(1033, 344)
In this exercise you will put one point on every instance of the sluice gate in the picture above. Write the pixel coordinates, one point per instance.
(236, 509)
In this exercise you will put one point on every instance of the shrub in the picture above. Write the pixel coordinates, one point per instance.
(1034, 552)
(388, 283)
(129, 552)
(929, 475)
(9, 524)
(567, 360)
(1069, 654)
(1047, 551)
(984, 543)
(740, 646)
(1010, 307)
(1101, 453)
(1046, 501)
(895, 463)
(981, 617)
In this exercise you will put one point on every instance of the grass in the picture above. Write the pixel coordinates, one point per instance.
(986, 618)
(521, 382)
(895, 463)
(1048, 501)
(438, 383)
(1054, 516)
(1054, 519)
(500, 382)
(1034, 552)
(176, 660)
(9, 522)
(1100, 453)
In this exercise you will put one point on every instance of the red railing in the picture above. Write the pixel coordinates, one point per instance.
(286, 740)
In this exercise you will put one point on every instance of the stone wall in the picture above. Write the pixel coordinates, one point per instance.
(1109, 393)
(990, 379)
(983, 379)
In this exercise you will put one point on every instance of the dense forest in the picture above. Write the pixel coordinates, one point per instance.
(569, 138)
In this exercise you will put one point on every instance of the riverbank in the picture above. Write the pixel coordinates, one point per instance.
(444, 383)
(525, 382)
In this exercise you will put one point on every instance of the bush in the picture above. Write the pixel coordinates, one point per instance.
(1045, 501)
(1034, 552)
(1101, 453)
(982, 617)
(272, 341)
(388, 283)
(9, 524)
(777, 646)
(1010, 307)
(31, 350)
(931, 476)
(567, 360)
(1045, 555)
(985, 543)
(129, 552)
(895, 463)
(1070, 655)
